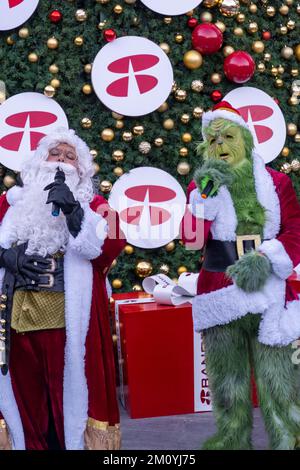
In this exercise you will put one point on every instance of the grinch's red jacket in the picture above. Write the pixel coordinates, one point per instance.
(219, 301)
(89, 375)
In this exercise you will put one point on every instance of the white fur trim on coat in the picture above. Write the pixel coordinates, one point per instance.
(91, 237)
(210, 116)
(281, 262)
(280, 326)
(14, 194)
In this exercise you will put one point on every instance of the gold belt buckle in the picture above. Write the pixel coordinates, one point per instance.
(52, 265)
(50, 282)
(242, 238)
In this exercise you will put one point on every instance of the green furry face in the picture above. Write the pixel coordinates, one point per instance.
(227, 141)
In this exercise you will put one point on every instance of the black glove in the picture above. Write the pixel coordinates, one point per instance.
(61, 195)
(18, 263)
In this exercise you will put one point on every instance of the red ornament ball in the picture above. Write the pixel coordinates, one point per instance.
(207, 38)
(55, 16)
(109, 34)
(216, 95)
(266, 35)
(192, 23)
(239, 67)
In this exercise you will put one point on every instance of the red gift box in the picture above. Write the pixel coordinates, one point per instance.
(295, 281)
(161, 359)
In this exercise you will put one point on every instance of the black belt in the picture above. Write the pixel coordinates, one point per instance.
(219, 255)
(52, 280)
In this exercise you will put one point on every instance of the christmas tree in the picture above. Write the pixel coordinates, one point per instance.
(53, 52)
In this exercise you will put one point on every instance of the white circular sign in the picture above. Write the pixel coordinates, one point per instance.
(171, 7)
(14, 13)
(24, 120)
(132, 76)
(150, 204)
(263, 116)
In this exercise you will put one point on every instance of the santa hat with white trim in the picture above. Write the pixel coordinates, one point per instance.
(223, 110)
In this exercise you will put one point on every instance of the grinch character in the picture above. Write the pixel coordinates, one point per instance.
(245, 306)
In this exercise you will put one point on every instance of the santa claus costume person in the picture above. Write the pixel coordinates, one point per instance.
(57, 384)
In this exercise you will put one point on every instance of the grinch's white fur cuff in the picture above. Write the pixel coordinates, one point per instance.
(90, 239)
(280, 326)
(281, 262)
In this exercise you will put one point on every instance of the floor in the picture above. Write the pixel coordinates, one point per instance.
(182, 432)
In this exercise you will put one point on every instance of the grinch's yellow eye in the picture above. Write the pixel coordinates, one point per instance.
(212, 141)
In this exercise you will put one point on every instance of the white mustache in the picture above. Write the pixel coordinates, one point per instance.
(51, 167)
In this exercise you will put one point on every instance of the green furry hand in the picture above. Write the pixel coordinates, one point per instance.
(214, 170)
(251, 271)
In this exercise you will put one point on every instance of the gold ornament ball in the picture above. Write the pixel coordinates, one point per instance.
(127, 136)
(185, 118)
(294, 72)
(229, 8)
(267, 57)
(287, 52)
(117, 283)
(165, 47)
(286, 168)
(130, 2)
(144, 147)
(55, 83)
(274, 71)
(186, 138)
(179, 38)
(192, 59)
(183, 152)
(181, 270)
(198, 112)
(253, 27)
(271, 11)
(180, 95)
(93, 153)
(107, 135)
(295, 165)
(158, 142)
(238, 31)
(33, 57)
(137, 288)
(168, 124)
(240, 18)
(87, 89)
(118, 9)
(118, 171)
(291, 25)
(128, 249)
(168, 20)
(78, 41)
(183, 168)
(297, 137)
(52, 43)
(96, 168)
(206, 17)
(283, 29)
(10, 41)
(279, 83)
(163, 107)
(216, 78)
(138, 130)
(285, 152)
(53, 68)
(86, 123)
(49, 91)
(227, 50)
(119, 124)
(170, 247)
(291, 129)
(117, 115)
(210, 3)
(81, 15)
(289, 2)
(23, 33)
(297, 52)
(261, 67)
(221, 26)
(9, 181)
(197, 85)
(293, 100)
(102, 25)
(143, 269)
(88, 68)
(252, 8)
(284, 10)
(281, 69)
(105, 186)
(164, 268)
(118, 155)
(174, 87)
(258, 47)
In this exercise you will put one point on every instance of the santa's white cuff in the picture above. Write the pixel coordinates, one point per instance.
(14, 194)
(90, 239)
(281, 262)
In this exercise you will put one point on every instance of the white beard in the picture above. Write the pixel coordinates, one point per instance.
(31, 219)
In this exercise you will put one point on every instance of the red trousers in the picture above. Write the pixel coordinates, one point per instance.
(36, 368)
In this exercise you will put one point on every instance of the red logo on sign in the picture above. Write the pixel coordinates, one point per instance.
(256, 113)
(35, 119)
(137, 63)
(152, 194)
(14, 3)
(205, 397)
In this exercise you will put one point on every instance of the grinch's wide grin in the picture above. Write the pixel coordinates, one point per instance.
(224, 156)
